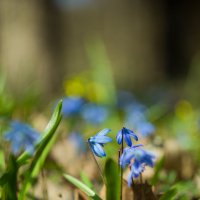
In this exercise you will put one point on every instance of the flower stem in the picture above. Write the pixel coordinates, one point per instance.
(121, 169)
(99, 168)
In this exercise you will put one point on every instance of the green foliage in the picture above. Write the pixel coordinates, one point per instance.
(180, 190)
(8, 181)
(6, 101)
(42, 150)
(90, 193)
(86, 180)
(112, 180)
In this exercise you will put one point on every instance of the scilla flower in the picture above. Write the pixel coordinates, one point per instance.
(137, 158)
(96, 142)
(139, 154)
(22, 137)
(126, 134)
(71, 105)
(94, 114)
(136, 169)
(127, 155)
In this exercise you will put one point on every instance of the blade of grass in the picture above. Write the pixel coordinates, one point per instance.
(86, 180)
(42, 150)
(50, 129)
(90, 193)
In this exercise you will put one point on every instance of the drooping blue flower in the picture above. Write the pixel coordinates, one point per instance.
(126, 134)
(71, 105)
(94, 114)
(137, 158)
(124, 158)
(22, 137)
(96, 142)
(139, 154)
(136, 169)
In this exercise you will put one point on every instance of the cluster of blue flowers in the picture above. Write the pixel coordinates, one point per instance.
(90, 112)
(133, 155)
(136, 158)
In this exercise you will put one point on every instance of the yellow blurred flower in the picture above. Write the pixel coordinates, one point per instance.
(83, 87)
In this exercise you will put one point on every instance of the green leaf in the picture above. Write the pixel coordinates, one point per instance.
(90, 193)
(181, 190)
(170, 194)
(42, 150)
(8, 181)
(85, 180)
(112, 180)
(48, 132)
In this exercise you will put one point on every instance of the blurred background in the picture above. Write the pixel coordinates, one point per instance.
(147, 44)
(133, 63)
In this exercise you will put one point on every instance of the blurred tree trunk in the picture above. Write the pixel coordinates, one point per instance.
(145, 40)
(31, 45)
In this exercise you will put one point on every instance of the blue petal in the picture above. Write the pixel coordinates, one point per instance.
(123, 162)
(119, 137)
(100, 139)
(136, 169)
(133, 136)
(130, 132)
(129, 178)
(128, 140)
(103, 132)
(98, 150)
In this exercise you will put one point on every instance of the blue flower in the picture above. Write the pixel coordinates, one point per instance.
(127, 155)
(77, 140)
(71, 105)
(133, 153)
(137, 159)
(96, 142)
(94, 114)
(22, 137)
(135, 117)
(145, 128)
(136, 169)
(126, 134)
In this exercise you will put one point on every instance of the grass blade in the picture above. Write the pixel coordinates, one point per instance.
(90, 193)
(42, 150)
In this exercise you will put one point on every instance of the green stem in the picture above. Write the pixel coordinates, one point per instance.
(99, 168)
(121, 169)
